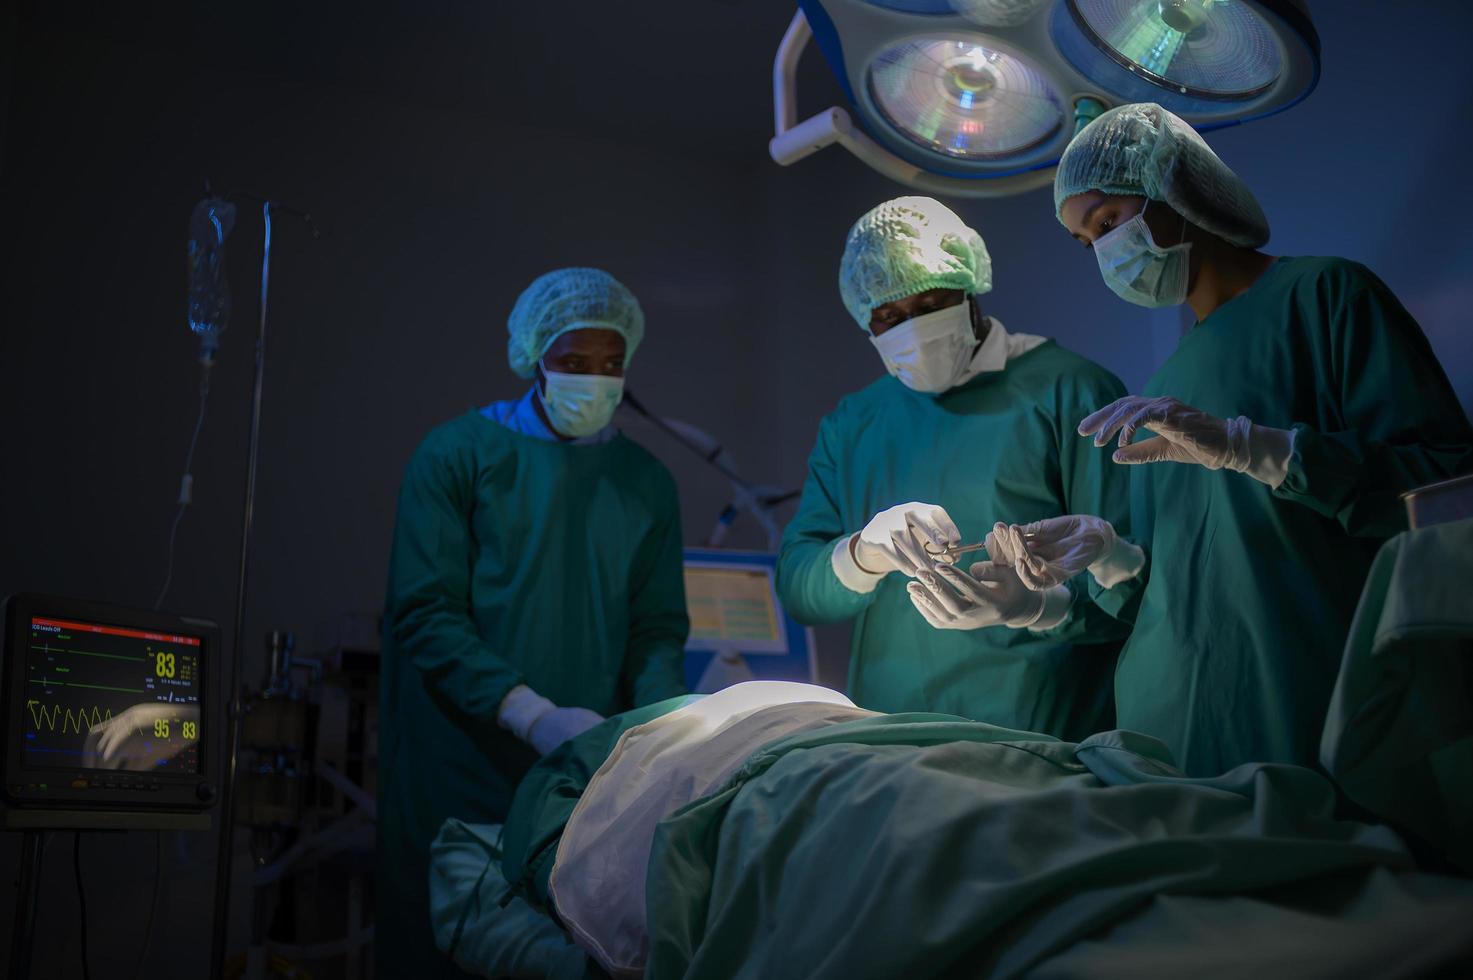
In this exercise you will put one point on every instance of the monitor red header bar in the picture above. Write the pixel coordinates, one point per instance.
(67, 624)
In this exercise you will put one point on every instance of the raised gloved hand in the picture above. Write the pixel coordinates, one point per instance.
(992, 595)
(540, 723)
(1183, 434)
(1188, 435)
(861, 560)
(1048, 553)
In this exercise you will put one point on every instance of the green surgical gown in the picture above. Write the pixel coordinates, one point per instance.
(1001, 447)
(1243, 615)
(515, 561)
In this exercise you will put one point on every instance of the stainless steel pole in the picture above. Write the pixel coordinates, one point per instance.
(225, 855)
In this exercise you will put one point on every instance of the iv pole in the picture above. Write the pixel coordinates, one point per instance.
(224, 857)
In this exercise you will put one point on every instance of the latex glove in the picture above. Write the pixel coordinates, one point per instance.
(1048, 553)
(1187, 435)
(992, 595)
(862, 560)
(540, 723)
(559, 725)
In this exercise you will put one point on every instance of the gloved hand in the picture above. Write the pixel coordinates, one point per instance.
(878, 547)
(1048, 553)
(862, 560)
(992, 595)
(1187, 435)
(540, 723)
(559, 725)
(1183, 434)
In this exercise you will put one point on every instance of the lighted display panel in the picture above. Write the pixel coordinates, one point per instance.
(733, 607)
(110, 697)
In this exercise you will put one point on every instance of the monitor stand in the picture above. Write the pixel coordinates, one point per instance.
(35, 824)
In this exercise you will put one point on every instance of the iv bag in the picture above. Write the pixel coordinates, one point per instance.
(209, 291)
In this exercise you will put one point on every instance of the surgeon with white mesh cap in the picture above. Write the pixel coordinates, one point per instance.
(535, 586)
(1306, 381)
(969, 424)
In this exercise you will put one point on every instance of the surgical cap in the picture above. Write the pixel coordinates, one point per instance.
(907, 246)
(565, 300)
(1143, 149)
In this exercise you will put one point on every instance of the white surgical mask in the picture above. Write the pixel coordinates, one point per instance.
(1138, 270)
(929, 353)
(579, 405)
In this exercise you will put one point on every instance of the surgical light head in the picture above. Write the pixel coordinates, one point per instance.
(907, 246)
(565, 300)
(1144, 150)
(979, 98)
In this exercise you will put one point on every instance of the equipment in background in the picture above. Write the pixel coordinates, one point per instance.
(208, 314)
(757, 499)
(111, 717)
(1440, 503)
(275, 726)
(208, 310)
(978, 98)
(738, 629)
(306, 780)
(109, 720)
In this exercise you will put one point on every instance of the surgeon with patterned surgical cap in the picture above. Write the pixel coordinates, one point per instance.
(1275, 442)
(535, 586)
(969, 423)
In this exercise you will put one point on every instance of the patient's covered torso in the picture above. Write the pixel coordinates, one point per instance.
(598, 879)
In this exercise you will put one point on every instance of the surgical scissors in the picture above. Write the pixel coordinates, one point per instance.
(955, 551)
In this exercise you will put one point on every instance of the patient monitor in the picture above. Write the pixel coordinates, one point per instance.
(738, 629)
(109, 717)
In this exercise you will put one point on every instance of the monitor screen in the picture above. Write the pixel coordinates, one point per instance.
(99, 696)
(733, 606)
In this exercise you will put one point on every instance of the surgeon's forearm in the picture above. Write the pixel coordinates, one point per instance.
(1082, 620)
(844, 559)
(654, 652)
(1359, 481)
(457, 666)
(809, 587)
(658, 673)
(1269, 452)
(1121, 602)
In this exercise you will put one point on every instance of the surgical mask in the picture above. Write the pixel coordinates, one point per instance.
(579, 405)
(930, 353)
(1138, 270)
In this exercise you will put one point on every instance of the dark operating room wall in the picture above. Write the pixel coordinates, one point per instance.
(433, 218)
(9, 18)
(435, 210)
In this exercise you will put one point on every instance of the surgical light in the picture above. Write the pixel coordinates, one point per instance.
(957, 96)
(979, 97)
(1204, 49)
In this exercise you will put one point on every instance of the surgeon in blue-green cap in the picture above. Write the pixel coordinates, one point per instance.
(535, 586)
(1279, 436)
(968, 424)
